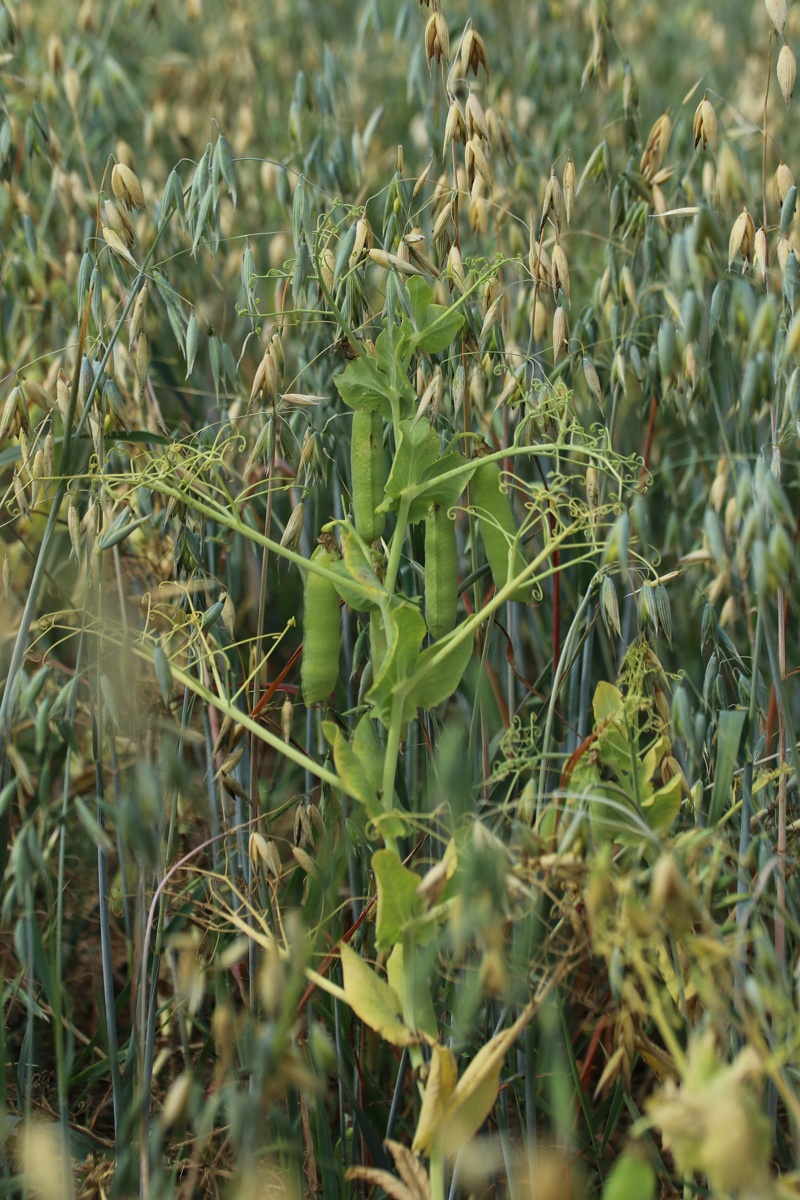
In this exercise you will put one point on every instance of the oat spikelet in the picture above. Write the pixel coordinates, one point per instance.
(473, 52)
(539, 265)
(569, 187)
(363, 242)
(560, 334)
(137, 318)
(592, 488)
(776, 10)
(476, 165)
(455, 267)
(783, 249)
(327, 267)
(294, 528)
(437, 38)
(561, 273)
(783, 182)
(761, 255)
(126, 186)
(553, 204)
(787, 72)
(742, 239)
(629, 288)
(705, 125)
(455, 129)
(287, 718)
(115, 243)
(117, 219)
(656, 149)
(393, 262)
(476, 118)
(592, 380)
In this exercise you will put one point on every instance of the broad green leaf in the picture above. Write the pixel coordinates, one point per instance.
(364, 385)
(424, 970)
(359, 781)
(375, 383)
(436, 324)
(441, 329)
(417, 451)
(399, 901)
(359, 766)
(437, 490)
(608, 706)
(421, 299)
(632, 1178)
(372, 1000)
(406, 629)
(438, 672)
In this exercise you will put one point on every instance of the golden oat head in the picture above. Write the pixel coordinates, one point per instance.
(561, 273)
(553, 203)
(568, 187)
(476, 118)
(560, 333)
(783, 182)
(787, 72)
(656, 148)
(742, 239)
(761, 250)
(437, 38)
(126, 186)
(705, 127)
(776, 10)
(455, 129)
(473, 52)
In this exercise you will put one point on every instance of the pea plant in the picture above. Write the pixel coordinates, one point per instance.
(398, 731)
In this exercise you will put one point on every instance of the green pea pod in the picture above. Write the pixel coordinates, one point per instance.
(319, 669)
(498, 528)
(441, 571)
(367, 473)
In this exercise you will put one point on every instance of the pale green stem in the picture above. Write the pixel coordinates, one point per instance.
(398, 540)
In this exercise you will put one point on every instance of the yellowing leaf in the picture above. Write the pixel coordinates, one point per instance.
(372, 1000)
(457, 1119)
(438, 1091)
(424, 1015)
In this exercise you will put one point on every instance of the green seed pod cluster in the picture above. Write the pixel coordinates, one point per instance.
(441, 571)
(319, 668)
(498, 528)
(367, 473)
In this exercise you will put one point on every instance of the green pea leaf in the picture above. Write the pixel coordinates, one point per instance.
(436, 324)
(377, 384)
(359, 766)
(405, 629)
(631, 1179)
(417, 451)
(399, 902)
(437, 488)
(422, 966)
(437, 674)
